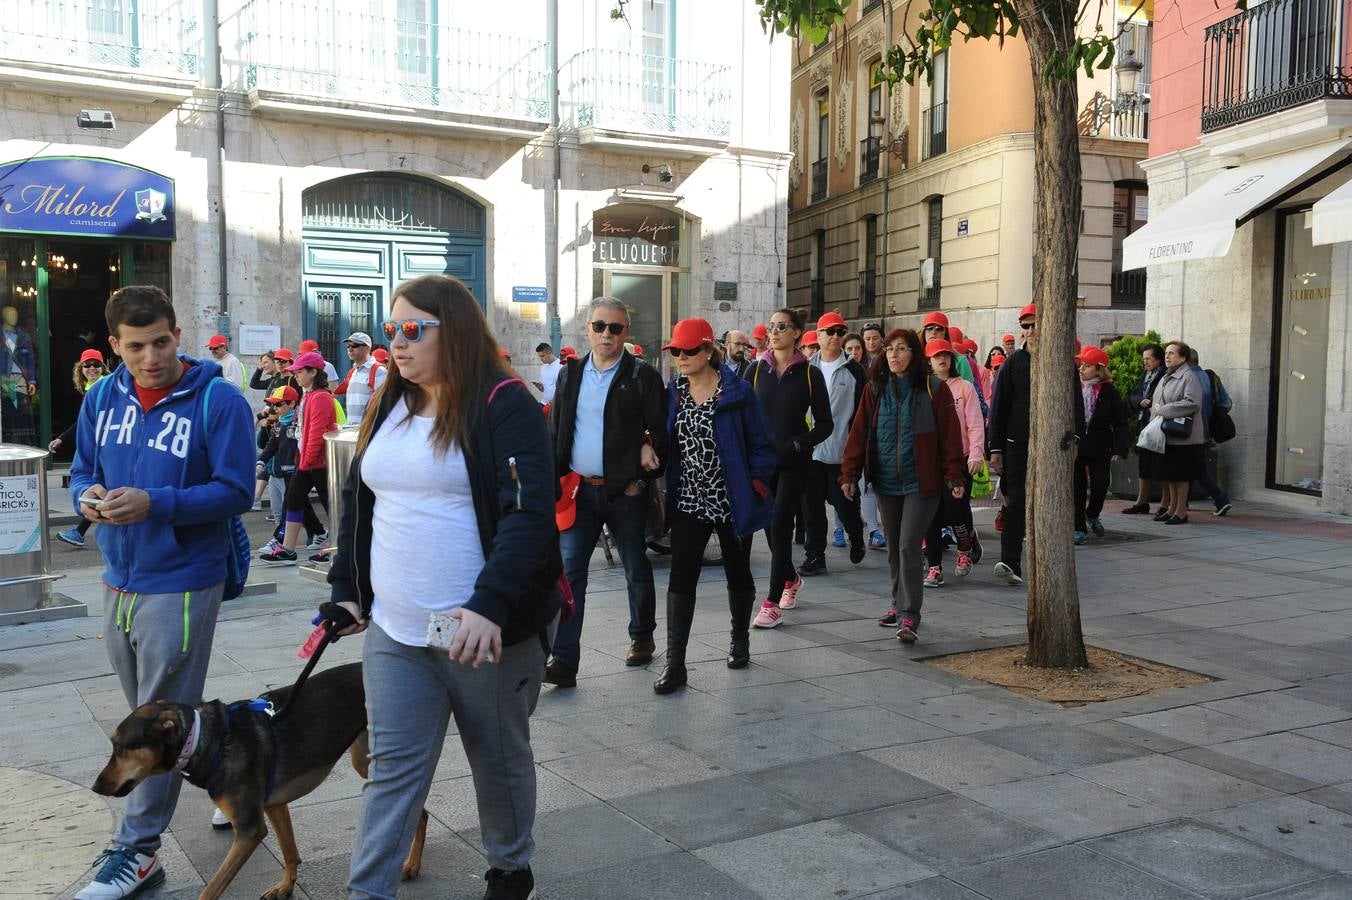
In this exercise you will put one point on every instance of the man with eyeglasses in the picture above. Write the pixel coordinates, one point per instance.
(845, 380)
(1008, 437)
(608, 424)
(736, 345)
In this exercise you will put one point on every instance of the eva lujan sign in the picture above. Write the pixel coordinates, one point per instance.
(87, 197)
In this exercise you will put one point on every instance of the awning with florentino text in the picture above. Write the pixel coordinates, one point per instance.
(1333, 217)
(1202, 225)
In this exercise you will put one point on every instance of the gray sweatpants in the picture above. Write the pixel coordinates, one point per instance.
(904, 520)
(411, 693)
(159, 645)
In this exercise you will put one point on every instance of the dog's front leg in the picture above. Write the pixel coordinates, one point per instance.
(280, 817)
(249, 833)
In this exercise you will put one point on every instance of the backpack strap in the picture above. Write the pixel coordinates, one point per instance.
(500, 385)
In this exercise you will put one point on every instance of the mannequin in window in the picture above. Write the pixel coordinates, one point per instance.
(18, 378)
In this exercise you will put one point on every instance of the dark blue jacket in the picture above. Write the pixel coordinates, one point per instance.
(744, 446)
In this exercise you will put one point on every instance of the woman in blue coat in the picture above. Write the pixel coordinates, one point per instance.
(720, 461)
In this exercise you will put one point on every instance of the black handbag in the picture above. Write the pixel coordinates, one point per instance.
(1179, 426)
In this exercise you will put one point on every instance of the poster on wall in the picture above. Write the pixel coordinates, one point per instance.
(255, 340)
(20, 515)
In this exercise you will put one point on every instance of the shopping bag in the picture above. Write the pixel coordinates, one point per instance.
(1152, 436)
(981, 483)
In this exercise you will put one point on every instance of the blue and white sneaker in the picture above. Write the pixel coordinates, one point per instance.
(838, 539)
(877, 541)
(71, 536)
(122, 873)
(318, 542)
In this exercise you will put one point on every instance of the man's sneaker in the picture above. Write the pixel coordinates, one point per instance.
(318, 542)
(1222, 510)
(838, 539)
(122, 872)
(889, 619)
(1000, 520)
(320, 557)
(789, 599)
(518, 885)
(909, 630)
(934, 577)
(976, 551)
(1081, 538)
(257, 506)
(560, 674)
(1006, 573)
(218, 819)
(877, 541)
(813, 565)
(278, 555)
(1096, 526)
(71, 536)
(964, 566)
(768, 617)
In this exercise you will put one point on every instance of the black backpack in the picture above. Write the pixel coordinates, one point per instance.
(1222, 427)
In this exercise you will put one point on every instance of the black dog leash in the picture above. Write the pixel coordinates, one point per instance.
(335, 619)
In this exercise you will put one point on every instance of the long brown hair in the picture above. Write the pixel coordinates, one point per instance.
(918, 370)
(468, 360)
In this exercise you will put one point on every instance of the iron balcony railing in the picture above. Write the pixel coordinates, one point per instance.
(320, 49)
(868, 292)
(818, 298)
(622, 91)
(934, 130)
(150, 37)
(868, 158)
(1272, 57)
(1133, 122)
(1128, 289)
(818, 180)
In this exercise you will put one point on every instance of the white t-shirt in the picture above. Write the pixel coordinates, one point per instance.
(829, 368)
(549, 377)
(425, 550)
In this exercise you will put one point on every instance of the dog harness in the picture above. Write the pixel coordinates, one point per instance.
(259, 705)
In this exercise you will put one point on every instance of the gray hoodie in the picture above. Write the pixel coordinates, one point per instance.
(845, 387)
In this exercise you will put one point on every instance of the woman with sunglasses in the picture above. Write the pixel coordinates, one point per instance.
(721, 461)
(907, 444)
(88, 369)
(453, 450)
(789, 390)
(315, 417)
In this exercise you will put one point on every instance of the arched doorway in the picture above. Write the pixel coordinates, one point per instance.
(363, 234)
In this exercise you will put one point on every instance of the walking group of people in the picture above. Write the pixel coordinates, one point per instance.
(509, 504)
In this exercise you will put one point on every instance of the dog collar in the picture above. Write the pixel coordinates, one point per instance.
(190, 744)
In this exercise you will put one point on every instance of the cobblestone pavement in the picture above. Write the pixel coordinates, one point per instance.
(837, 765)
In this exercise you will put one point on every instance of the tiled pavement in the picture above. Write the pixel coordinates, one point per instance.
(837, 765)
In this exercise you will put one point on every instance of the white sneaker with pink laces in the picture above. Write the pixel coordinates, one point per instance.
(789, 599)
(769, 616)
(964, 566)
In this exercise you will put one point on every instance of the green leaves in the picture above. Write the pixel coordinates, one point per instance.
(809, 19)
(1081, 54)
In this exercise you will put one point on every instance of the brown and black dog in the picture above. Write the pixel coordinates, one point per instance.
(251, 765)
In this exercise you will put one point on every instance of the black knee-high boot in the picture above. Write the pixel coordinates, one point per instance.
(680, 613)
(740, 604)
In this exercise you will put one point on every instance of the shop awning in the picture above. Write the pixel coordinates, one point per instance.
(1203, 224)
(1333, 217)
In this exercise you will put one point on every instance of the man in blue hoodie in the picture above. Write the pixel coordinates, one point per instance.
(162, 476)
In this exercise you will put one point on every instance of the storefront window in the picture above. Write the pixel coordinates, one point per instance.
(1297, 452)
(19, 348)
(150, 265)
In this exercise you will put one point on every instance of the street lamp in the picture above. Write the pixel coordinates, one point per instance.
(1102, 108)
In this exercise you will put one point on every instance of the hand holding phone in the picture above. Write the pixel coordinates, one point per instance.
(441, 630)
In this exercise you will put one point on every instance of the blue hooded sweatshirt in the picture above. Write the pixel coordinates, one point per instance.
(198, 471)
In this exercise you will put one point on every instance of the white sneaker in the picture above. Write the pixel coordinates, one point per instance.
(122, 872)
(218, 819)
(1005, 572)
(318, 542)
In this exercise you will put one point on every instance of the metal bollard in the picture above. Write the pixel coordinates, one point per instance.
(25, 551)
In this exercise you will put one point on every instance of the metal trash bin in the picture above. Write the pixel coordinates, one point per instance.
(25, 551)
(340, 448)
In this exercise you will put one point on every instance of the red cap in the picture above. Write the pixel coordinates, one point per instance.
(955, 335)
(307, 345)
(91, 355)
(1093, 356)
(567, 353)
(217, 340)
(997, 362)
(638, 349)
(832, 319)
(760, 332)
(935, 318)
(284, 394)
(1027, 311)
(1006, 337)
(283, 353)
(381, 354)
(935, 347)
(310, 359)
(690, 334)
(810, 339)
(969, 345)
(504, 352)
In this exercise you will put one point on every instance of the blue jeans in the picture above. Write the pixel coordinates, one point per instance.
(627, 518)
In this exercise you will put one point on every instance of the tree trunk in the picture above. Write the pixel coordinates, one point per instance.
(1054, 636)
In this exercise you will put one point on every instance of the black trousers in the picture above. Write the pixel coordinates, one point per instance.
(310, 521)
(956, 514)
(789, 486)
(1014, 483)
(689, 537)
(823, 487)
(298, 494)
(1091, 488)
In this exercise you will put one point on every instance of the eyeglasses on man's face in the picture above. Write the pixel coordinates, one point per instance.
(615, 328)
(1027, 326)
(834, 331)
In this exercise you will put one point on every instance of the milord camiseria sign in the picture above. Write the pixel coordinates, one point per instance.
(86, 197)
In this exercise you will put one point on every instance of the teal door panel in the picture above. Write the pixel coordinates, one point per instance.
(333, 311)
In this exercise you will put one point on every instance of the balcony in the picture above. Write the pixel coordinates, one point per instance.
(1133, 122)
(868, 292)
(869, 149)
(818, 298)
(154, 39)
(934, 131)
(819, 180)
(308, 50)
(658, 96)
(929, 296)
(1273, 57)
(1128, 288)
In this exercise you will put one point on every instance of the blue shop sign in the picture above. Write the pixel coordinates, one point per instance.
(85, 197)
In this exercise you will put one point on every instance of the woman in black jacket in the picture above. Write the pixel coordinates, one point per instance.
(797, 407)
(1103, 440)
(448, 549)
(1142, 397)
